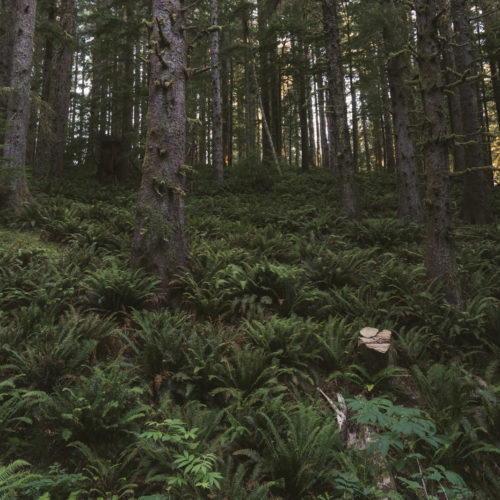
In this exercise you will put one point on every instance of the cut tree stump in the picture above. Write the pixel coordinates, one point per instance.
(374, 347)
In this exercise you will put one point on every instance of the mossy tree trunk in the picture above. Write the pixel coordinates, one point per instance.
(440, 254)
(397, 73)
(159, 243)
(7, 15)
(13, 186)
(217, 148)
(476, 206)
(340, 149)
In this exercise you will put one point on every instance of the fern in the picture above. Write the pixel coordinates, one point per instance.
(14, 478)
(113, 289)
(337, 341)
(303, 453)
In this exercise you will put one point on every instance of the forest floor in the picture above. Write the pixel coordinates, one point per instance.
(107, 391)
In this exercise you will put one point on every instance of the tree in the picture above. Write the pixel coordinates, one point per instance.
(476, 205)
(217, 153)
(398, 73)
(14, 191)
(340, 150)
(56, 87)
(7, 14)
(440, 253)
(159, 243)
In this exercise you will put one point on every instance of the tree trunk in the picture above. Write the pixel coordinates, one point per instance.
(250, 120)
(63, 62)
(310, 121)
(300, 82)
(389, 157)
(44, 134)
(491, 21)
(126, 93)
(440, 254)
(13, 186)
(159, 242)
(7, 14)
(476, 205)
(217, 152)
(270, 84)
(366, 141)
(352, 88)
(453, 95)
(325, 155)
(397, 72)
(341, 155)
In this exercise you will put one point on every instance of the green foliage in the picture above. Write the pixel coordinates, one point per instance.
(288, 339)
(100, 407)
(385, 233)
(159, 341)
(302, 452)
(446, 391)
(14, 478)
(406, 431)
(169, 453)
(210, 392)
(113, 289)
(337, 341)
(248, 373)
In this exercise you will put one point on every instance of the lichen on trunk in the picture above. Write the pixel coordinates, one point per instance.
(159, 244)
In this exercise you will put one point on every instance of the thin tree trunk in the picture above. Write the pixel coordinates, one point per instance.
(366, 141)
(491, 21)
(249, 100)
(325, 155)
(341, 155)
(126, 93)
(62, 88)
(13, 187)
(440, 254)
(389, 157)
(397, 73)
(217, 149)
(265, 126)
(7, 29)
(310, 121)
(476, 206)
(453, 95)
(159, 242)
(300, 82)
(45, 139)
(352, 88)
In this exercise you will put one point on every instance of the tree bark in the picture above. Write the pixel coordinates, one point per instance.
(397, 72)
(159, 243)
(440, 253)
(491, 20)
(476, 206)
(352, 88)
(453, 95)
(13, 186)
(217, 148)
(340, 147)
(325, 155)
(389, 156)
(270, 82)
(300, 83)
(62, 84)
(7, 14)
(250, 119)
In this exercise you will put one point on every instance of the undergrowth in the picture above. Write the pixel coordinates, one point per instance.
(214, 394)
